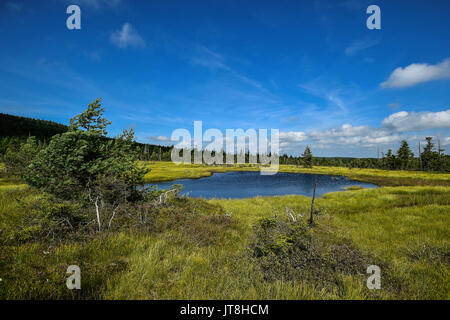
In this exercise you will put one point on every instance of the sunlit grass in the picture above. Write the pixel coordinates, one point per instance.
(166, 170)
(406, 228)
(387, 223)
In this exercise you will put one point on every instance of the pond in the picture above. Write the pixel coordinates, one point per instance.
(244, 184)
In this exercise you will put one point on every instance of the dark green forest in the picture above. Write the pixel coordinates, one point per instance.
(15, 130)
(15, 126)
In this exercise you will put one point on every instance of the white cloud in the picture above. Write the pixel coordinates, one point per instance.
(388, 134)
(370, 141)
(159, 138)
(411, 121)
(127, 37)
(347, 130)
(349, 135)
(293, 136)
(392, 130)
(417, 73)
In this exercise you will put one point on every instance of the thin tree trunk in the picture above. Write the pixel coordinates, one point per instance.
(312, 202)
(420, 158)
(114, 213)
(98, 214)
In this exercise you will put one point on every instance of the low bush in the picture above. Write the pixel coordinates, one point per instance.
(289, 250)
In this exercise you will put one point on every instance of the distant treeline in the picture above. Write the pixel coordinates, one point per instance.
(430, 158)
(15, 130)
(14, 126)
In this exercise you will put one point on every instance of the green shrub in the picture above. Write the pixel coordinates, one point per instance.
(290, 251)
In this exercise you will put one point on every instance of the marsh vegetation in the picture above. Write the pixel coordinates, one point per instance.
(222, 249)
(86, 209)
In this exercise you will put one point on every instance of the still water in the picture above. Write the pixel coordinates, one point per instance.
(241, 184)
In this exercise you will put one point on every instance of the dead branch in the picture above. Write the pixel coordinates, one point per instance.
(112, 217)
(98, 214)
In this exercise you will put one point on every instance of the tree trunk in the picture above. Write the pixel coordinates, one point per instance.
(98, 215)
(312, 202)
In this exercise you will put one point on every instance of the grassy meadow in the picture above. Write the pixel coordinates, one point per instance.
(196, 249)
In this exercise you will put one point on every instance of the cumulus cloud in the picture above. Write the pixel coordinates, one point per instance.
(370, 141)
(412, 121)
(159, 138)
(417, 73)
(127, 37)
(354, 135)
(392, 130)
(293, 136)
(346, 130)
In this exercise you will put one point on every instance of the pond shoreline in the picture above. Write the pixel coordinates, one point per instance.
(163, 171)
(250, 184)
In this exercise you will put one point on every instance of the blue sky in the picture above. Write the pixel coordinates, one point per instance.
(311, 69)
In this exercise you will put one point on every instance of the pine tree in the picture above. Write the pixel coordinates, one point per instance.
(307, 157)
(404, 155)
(75, 161)
(91, 119)
(431, 160)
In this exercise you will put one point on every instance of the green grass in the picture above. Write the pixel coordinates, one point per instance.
(194, 251)
(406, 227)
(167, 171)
